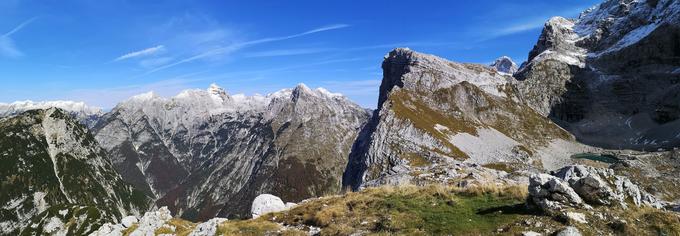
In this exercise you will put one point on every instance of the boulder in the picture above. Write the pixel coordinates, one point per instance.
(589, 183)
(569, 231)
(602, 187)
(576, 217)
(266, 203)
(551, 193)
(208, 228)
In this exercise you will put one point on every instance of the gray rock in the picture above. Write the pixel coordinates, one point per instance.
(601, 186)
(569, 231)
(551, 193)
(589, 184)
(208, 228)
(576, 217)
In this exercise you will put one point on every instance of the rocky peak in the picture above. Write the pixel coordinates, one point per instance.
(505, 64)
(423, 73)
(604, 75)
(218, 92)
(616, 24)
(301, 90)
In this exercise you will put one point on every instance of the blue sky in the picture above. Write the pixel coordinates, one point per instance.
(103, 52)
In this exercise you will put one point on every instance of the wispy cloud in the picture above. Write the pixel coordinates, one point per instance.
(528, 23)
(520, 27)
(7, 46)
(142, 53)
(287, 52)
(238, 46)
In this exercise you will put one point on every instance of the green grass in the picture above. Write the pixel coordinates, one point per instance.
(463, 215)
(431, 210)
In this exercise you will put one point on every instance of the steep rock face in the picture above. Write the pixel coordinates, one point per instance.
(608, 77)
(205, 153)
(432, 111)
(55, 178)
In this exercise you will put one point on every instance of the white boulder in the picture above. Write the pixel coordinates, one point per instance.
(569, 231)
(266, 203)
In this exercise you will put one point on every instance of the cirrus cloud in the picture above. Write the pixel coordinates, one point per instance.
(141, 53)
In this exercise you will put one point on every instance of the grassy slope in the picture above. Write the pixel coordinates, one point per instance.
(437, 210)
(443, 210)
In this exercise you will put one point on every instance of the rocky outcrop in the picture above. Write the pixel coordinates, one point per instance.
(551, 193)
(504, 64)
(205, 153)
(574, 185)
(146, 225)
(607, 77)
(432, 112)
(56, 178)
(208, 228)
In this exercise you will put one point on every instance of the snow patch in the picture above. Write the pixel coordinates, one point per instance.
(70, 106)
(326, 93)
(629, 39)
(571, 58)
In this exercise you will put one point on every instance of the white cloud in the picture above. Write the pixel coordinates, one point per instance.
(520, 27)
(142, 53)
(8, 49)
(238, 46)
(7, 46)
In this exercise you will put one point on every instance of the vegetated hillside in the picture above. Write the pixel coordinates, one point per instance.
(56, 179)
(204, 153)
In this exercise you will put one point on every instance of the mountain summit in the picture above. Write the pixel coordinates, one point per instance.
(608, 77)
(504, 65)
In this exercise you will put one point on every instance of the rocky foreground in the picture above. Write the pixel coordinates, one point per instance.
(574, 200)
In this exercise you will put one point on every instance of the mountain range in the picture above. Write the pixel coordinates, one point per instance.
(606, 82)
